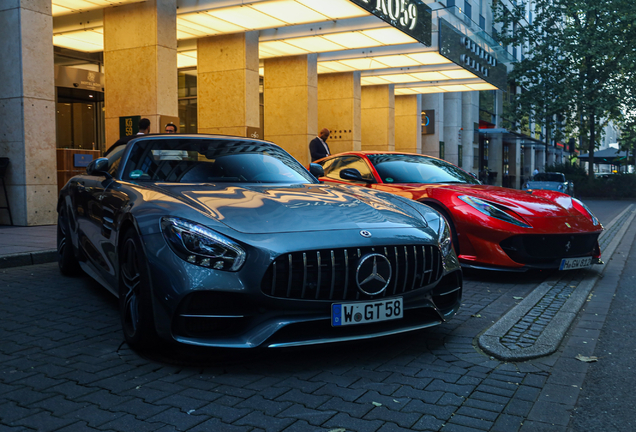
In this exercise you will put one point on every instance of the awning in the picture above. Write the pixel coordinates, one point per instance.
(609, 156)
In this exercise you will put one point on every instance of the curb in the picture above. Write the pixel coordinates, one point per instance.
(552, 335)
(28, 258)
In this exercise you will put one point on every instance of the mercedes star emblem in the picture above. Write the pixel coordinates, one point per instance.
(365, 234)
(373, 274)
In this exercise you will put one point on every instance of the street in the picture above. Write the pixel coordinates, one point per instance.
(66, 367)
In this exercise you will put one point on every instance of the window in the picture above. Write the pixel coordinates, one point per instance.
(336, 165)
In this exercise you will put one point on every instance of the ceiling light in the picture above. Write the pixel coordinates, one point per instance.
(397, 61)
(186, 59)
(246, 17)
(82, 40)
(484, 86)
(314, 44)
(278, 49)
(335, 9)
(458, 74)
(399, 78)
(289, 11)
(62, 7)
(207, 23)
(389, 36)
(429, 76)
(373, 81)
(352, 40)
(334, 66)
(427, 58)
(455, 88)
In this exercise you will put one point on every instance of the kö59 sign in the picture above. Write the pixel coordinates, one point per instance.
(404, 12)
(411, 16)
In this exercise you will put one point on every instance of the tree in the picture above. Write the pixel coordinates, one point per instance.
(578, 53)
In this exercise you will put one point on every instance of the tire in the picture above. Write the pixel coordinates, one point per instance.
(135, 304)
(69, 266)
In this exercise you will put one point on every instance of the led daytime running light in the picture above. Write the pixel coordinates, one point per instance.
(490, 210)
(199, 245)
(595, 221)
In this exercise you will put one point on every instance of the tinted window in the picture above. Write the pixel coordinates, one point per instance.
(114, 158)
(334, 166)
(187, 160)
(418, 169)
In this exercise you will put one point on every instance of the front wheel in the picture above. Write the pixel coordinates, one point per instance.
(135, 305)
(69, 266)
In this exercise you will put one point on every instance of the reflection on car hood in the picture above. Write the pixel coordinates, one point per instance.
(259, 209)
(523, 203)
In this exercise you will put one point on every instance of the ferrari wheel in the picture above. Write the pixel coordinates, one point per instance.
(135, 305)
(69, 266)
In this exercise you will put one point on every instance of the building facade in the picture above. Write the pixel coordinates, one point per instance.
(381, 75)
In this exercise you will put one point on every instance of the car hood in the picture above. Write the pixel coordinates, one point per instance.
(536, 204)
(258, 209)
(544, 185)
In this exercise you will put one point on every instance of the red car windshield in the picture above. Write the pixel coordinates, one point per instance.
(396, 168)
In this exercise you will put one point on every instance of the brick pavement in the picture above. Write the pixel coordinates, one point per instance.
(64, 367)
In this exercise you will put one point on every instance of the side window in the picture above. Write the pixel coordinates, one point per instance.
(114, 158)
(328, 165)
(349, 162)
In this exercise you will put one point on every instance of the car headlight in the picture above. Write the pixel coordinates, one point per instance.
(201, 246)
(560, 187)
(490, 210)
(444, 237)
(595, 221)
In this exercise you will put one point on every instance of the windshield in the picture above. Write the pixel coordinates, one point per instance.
(550, 177)
(396, 168)
(192, 160)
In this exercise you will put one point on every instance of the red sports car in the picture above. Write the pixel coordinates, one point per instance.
(494, 227)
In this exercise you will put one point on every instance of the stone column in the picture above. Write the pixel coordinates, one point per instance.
(339, 110)
(27, 112)
(140, 63)
(408, 123)
(470, 116)
(540, 157)
(495, 157)
(291, 103)
(378, 117)
(431, 143)
(453, 133)
(514, 163)
(528, 162)
(227, 84)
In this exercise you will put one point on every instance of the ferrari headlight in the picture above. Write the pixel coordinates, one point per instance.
(587, 209)
(444, 237)
(490, 210)
(201, 246)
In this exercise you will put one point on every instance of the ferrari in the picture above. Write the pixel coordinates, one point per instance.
(493, 227)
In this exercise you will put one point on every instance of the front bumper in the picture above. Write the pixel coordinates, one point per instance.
(206, 307)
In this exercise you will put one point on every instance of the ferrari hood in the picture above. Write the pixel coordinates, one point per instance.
(257, 209)
(524, 203)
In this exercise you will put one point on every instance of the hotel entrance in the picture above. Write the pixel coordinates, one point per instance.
(80, 132)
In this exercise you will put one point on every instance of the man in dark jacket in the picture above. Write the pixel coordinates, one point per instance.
(318, 147)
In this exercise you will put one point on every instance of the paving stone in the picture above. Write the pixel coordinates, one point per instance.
(344, 393)
(309, 415)
(507, 423)
(177, 418)
(354, 409)
(263, 421)
(438, 411)
(402, 419)
(308, 400)
(428, 423)
(477, 413)
(10, 411)
(471, 422)
(127, 423)
(347, 422)
(43, 422)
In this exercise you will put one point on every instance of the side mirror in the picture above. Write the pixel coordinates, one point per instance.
(317, 170)
(352, 174)
(98, 167)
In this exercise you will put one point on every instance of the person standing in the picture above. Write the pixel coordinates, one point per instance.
(144, 127)
(171, 128)
(318, 147)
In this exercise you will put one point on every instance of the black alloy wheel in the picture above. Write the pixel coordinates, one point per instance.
(135, 305)
(69, 266)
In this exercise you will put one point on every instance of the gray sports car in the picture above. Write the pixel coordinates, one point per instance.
(230, 242)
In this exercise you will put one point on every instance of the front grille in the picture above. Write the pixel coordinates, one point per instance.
(537, 248)
(331, 274)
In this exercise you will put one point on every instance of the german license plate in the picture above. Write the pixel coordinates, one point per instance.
(343, 314)
(575, 263)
